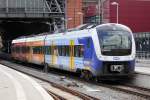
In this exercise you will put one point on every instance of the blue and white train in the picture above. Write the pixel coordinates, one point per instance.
(103, 50)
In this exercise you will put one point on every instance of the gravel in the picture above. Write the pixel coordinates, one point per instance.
(97, 91)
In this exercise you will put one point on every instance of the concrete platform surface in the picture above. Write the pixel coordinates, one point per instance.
(143, 70)
(142, 66)
(17, 86)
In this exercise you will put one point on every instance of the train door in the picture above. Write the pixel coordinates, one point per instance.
(71, 49)
(30, 54)
(88, 53)
(88, 49)
(85, 53)
(54, 52)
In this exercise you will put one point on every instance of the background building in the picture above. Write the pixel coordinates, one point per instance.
(74, 15)
(133, 13)
(90, 9)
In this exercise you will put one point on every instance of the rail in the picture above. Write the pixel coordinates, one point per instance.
(63, 88)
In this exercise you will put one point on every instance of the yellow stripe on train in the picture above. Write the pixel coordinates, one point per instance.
(72, 65)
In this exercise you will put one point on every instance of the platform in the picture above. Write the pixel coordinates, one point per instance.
(142, 70)
(17, 86)
(142, 66)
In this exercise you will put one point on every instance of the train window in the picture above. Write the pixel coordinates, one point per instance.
(81, 51)
(47, 50)
(60, 50)
(18, 49)
(78, 51)
(50, 50)
(67, 50)
(43, 49)
(21, 50)
(34, 50)
(55, 50)
(40, 50)
(15, 50)
(27, 49)
(63, 51)
(37, 50)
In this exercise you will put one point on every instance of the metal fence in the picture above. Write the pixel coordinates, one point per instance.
(142, 41)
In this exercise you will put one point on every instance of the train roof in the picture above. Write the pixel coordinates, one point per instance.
(80, 31)
(113, 26)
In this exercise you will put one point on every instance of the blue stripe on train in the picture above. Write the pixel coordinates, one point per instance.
(90, 58)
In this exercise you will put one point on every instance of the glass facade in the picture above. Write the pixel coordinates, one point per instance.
(142, 41)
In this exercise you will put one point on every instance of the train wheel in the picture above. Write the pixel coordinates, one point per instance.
(87, 75)
(46, 68)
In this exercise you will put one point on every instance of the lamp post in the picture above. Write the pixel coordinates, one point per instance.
(117, 5)
(100, 11)
(81, 17)
(66, 22)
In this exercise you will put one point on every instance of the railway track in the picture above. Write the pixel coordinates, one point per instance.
(82, 96)
(78, 94)
(130, 89)
(55, 96)
(126, 88)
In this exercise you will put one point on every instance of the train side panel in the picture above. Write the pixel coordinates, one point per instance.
(18, 50)
(62, 54)
(79, 52)
(36, 50)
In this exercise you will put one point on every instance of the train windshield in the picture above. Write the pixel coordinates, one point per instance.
(115, 43)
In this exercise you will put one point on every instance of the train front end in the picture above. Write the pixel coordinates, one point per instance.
(116, 52)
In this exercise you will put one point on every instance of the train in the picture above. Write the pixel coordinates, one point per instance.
(106, 50)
